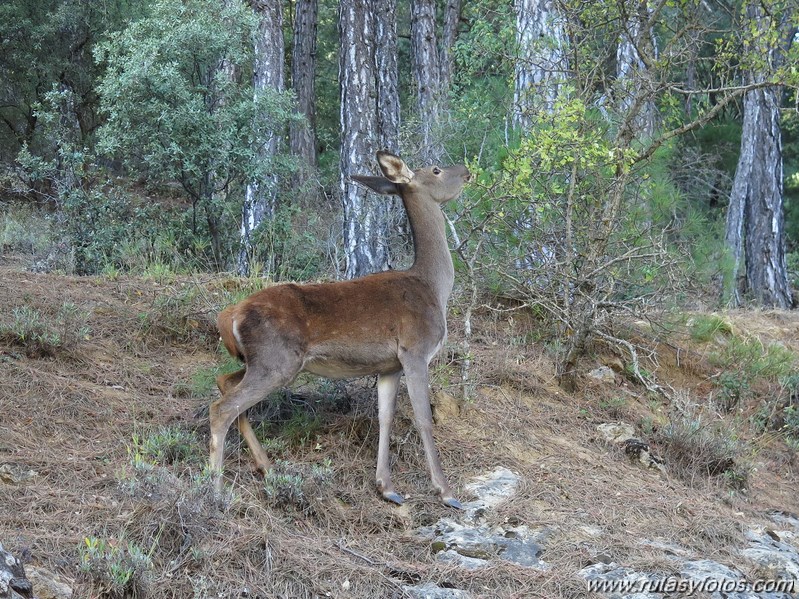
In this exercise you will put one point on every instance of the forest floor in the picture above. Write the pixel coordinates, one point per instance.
(104, 388)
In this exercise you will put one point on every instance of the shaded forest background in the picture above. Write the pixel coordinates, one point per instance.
(629, 156)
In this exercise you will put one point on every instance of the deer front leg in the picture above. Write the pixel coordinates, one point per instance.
(387, 385)
(417, 378)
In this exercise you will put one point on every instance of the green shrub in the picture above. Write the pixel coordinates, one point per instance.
(118, 568)
(42, 336)
(694, 450)
(167, 445)
(705, 327)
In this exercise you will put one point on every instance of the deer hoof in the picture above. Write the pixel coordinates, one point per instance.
(393, 497)
(452, 502)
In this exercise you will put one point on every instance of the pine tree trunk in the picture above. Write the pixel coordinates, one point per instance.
(541, 64)
(388, 115)
(755, 230)
(764, 239)
(633, 92)
(261, 196)
(426, 70)
(364, 216)
(302, 135)
(452, 16)
(387, 76)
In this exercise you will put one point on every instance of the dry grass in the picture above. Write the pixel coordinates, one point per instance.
(73, 419)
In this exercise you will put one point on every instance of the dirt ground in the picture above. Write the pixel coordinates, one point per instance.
(73, 419)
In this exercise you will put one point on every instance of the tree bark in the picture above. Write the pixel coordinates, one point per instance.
(755, 229)
(387, 76)
(541, 64)
(261, 196)
(302, 135)
(452, 16)
(365, 217)
(427, 73)
(764, 239)
(635, 98)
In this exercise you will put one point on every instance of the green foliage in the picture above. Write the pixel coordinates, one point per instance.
(166, 445)
(25, 230)
(695, 450)
(706, 327)
(176, 110)
(286, 247)
(289, 485)
(118, 568)
(42, 336)
(47, 43)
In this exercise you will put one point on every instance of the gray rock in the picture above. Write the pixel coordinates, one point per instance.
(634, 581)
(429, 590)
(49, 585)
(775, 558)
(616, 432)
(13, 582)
(603, 374)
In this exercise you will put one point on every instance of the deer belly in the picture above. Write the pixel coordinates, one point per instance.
(346, 362)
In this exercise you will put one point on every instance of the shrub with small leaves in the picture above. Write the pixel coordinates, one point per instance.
(116, 567)
(42, 336)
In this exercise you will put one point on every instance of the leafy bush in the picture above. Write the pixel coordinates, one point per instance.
(290, 485)
(117, 567)
(42, 336)
(167, 445)
(694, 450)
(705, 327)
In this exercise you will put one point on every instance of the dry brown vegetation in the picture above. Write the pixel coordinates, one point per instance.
(94, 489)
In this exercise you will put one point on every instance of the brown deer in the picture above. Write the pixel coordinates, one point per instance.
(385, 324)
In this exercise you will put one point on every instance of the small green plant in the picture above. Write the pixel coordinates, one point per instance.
(118, 568)
(175, 316)
(734, 390)
(290, 485)
(41, 336)
(694, 450)
(167, 445)
(791, 427)
(706, 327)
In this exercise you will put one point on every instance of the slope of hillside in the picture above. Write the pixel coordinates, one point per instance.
(104, 387)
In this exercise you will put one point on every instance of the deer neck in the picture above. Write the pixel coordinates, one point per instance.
(432, 259)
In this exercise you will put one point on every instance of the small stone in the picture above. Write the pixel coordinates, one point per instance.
(616, 432)
(603, 374)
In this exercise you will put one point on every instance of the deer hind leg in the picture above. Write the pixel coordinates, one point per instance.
(417, 378)
(387, 385)
(240, 391)
(226, 382)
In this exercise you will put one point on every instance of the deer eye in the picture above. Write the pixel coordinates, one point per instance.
(436, 170)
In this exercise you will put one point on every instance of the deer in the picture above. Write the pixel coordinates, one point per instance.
(385, 324)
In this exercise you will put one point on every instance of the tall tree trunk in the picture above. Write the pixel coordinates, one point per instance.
(261, 196)
(541, 65)
(452, 16)
(388, 114)
(365, 217)
(764, 239)
(302, 134)
(635, 98)
(387, 76)
(755, 220)
(427, 73)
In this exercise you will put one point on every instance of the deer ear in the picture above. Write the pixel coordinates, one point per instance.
(393, 167)
(379, 185)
